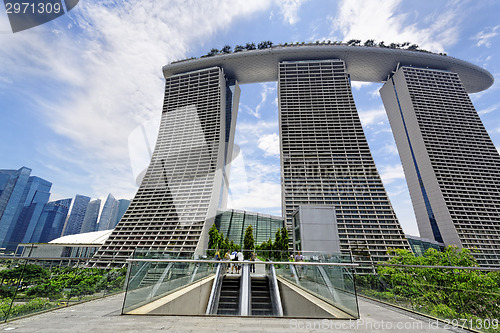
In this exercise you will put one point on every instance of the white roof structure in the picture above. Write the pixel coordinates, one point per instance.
(88, 238)
(369, 64)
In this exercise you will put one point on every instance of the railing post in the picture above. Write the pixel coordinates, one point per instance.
(15, 292)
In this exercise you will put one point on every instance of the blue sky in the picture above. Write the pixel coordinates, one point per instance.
(73, 91)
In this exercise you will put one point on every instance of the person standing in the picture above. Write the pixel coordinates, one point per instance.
(299, 257)
(240, 261)
(234, 257)
(252, 265)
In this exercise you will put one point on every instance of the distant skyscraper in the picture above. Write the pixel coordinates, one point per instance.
(451, 165)
(108, 214)
(21, 203)
(51, 221)
(75, 219)
(121, 208)
(37, 193)
(12, 184)
(91, 215)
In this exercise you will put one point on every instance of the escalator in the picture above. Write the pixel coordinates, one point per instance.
(245, 294)
(229, 296)
(261, 297)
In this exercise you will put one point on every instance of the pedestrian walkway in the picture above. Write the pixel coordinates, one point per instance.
(103, 315)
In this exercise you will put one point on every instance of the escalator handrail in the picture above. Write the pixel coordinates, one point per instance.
(275, 292)
(216, 287)
(245, 299)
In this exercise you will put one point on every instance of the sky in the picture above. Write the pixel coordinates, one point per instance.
(75, 90)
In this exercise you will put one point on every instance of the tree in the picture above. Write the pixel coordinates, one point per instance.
(250, 46)
(354, 42)
(239, 48)
(412, 47)
(248, 242)
(264, 45)
(214, 239)
(213, 52)
(370, 42)
(226, 49)
(448, 293)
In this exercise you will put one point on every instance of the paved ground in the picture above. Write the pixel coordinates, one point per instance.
(104, 316)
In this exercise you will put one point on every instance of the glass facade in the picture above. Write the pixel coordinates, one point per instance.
(22, 200)
(420, 245)
(75, 219)
(121, 208)
(108, 215)
(91, 215)
(11, 200)
(37, 195)
(51, 221)
(233, 223)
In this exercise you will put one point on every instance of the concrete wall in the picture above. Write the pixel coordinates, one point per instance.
(318, 229)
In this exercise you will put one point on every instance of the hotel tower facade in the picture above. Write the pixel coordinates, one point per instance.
(451, 164)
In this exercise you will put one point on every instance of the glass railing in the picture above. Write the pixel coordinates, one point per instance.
(30, 285)
(320, 288)
(153, 279)
(330, 282)
(467, 297)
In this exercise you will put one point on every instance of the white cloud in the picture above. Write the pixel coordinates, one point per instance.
(489, 109)
(106, 70)
(359, 84)
(270, 144)
(5, 79)
(267, 89)
(485, 36)
(261, 195)
(372, 117)
(257, 127)
(388, 149)
(254, 185)
(391, 173)
(382, 21)
(289, 9)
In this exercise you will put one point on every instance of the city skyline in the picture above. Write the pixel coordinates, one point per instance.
(81, 125)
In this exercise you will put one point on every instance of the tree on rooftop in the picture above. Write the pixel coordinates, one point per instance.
(226, 49)
(412, 47)
(353, 42)
(213, 52)
(370, 42)
(239, 48)
(265, 45)
(250, 46)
